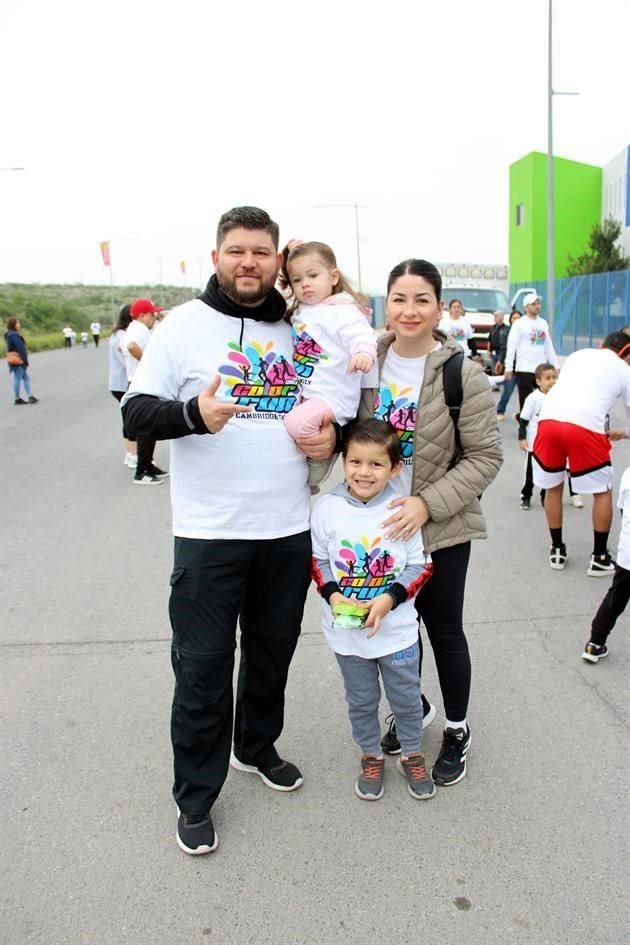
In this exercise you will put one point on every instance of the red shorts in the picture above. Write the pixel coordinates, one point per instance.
(558, 443)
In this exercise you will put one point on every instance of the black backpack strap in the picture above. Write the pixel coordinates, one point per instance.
(453, 394)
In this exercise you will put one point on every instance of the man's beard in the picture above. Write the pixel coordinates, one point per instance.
(252, 296)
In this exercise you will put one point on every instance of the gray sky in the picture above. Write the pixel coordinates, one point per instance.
(142, 120)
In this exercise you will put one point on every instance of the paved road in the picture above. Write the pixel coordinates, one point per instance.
(530, 848)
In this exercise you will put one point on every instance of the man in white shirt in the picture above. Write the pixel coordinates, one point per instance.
(95, 328)
(528, 345)
(137, 337)
(572, 429)
(210, 381)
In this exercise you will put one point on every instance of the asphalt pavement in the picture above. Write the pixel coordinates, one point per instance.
(531, 847)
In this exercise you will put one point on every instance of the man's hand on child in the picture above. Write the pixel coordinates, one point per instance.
(411, 514)
(378, 606)
(360, 362)
(216, 413)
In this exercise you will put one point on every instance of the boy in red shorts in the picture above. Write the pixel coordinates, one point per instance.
(572, 429)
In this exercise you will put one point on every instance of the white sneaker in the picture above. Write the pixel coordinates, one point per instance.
(576, 502)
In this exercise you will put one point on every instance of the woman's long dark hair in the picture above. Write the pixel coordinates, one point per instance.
(124, 319)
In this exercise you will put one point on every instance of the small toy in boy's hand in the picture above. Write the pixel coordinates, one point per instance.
(349, 616)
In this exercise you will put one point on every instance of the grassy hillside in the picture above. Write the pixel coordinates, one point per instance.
(43, 310)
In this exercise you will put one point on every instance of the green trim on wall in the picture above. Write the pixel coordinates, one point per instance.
(578, 203)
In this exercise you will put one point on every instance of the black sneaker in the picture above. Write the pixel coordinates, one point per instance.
(450, 766)
(33, 400)
(18, 400)
(526, 502)
(369, 784)
(601, 566)
(195, 834)
(147, 480)
(558, 558)
(389, 741)
(594, 653)
(156, 471)
(282, 777)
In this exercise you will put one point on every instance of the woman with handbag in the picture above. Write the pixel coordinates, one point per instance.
(17, 359)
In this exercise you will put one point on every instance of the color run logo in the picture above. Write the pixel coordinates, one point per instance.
(394, 406)
(257, 377)
(363, 570)
(537, 336)
(306, 352)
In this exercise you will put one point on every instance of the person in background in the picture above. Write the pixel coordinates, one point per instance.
(572, 430)
(118, 382)
(616, 600)
(508, 384)
(497, 343)
(456, 325)
(529, 343)
(545, 375)
(17, 360)
(84, 339)
(67, 336)
(137, 337)
(95, 328)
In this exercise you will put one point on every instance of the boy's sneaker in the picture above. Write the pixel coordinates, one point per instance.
(526, 503)
(601, 566)
(558, 558)
(196, 834)
(419, 784)
(389, 741)
(33, 400)
(594, 653)
(369, 784)
(147, 480)
(282, 777)
(18, 401)
(156, 471)
(450, 766)
(577, 501)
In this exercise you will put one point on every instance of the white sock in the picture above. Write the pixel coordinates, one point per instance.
(449, 724)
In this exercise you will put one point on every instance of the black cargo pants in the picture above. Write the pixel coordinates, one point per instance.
(262, 584)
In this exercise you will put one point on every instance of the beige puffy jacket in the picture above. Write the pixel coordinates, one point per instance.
(450, 495)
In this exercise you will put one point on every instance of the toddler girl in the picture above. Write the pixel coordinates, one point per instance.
(333, 343)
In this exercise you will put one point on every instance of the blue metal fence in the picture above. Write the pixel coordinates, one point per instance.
(587, 308)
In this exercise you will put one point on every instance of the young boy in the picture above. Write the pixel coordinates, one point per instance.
(354, 565)
(545, 378)
(616, 600)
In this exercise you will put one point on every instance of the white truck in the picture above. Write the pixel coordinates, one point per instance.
(483, 289)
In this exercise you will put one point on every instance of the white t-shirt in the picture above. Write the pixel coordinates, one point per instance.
(95, 328)
(249, 480)
(529, 342)
(530, 412)
(623, 502)
(459, 329)
(67, 332)
(363, 564)
(397, 401)
(590, 382)
(138, 332)
(326, 336)
(117, 370)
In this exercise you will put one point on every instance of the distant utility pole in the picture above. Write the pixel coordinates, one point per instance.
(551, 262)
(357, 238)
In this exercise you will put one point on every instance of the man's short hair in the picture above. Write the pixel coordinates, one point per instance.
(250, 218)
(373, 431)
(616, 341)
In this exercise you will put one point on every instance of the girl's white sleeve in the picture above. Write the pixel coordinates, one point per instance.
(355, 332)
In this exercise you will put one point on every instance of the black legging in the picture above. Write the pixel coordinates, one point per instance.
(526, 383)
(440, 604)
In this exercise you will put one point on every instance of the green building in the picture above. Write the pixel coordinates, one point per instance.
(578, 202)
